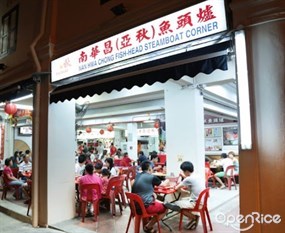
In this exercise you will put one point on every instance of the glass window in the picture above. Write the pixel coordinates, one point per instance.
(8, 37)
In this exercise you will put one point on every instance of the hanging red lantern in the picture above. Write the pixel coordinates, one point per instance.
(110, 127)
(156, 124)
(10, 108)
(88, 130)
(101, 131)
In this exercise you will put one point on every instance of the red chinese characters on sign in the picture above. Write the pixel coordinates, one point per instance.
(95, 51)
(108, 47)
(184, 20)
(126, 41)
(142, 35)
(206, 14)
(164, 28)
(83, 57)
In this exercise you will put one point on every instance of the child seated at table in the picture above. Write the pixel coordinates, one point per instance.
(105, 179)
(98, 168)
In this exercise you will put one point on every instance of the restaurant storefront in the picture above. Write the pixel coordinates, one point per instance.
(185, 43)
(263, 23)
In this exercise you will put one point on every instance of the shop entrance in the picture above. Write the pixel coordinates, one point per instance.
(128, 119)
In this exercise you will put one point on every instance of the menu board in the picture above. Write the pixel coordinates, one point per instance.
(230, 136)
(213, 139)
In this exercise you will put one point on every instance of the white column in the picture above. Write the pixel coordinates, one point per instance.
(117, 138)
(132, 140)
(61, 162)
(9, 140)
(184, 116)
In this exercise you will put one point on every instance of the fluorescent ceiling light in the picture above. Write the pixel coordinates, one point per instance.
(22, 98)
(243, 91)
(22, 106)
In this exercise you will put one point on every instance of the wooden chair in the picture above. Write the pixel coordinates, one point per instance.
(89, 189)
(138, 212)
(201, 207)
(229, 177)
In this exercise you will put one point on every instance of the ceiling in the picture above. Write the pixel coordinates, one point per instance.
(147, 102)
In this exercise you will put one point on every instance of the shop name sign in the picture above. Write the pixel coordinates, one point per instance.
(191, 23)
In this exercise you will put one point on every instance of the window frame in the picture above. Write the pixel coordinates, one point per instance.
(8, 32)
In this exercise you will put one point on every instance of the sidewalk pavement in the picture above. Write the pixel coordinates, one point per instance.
(11, 225)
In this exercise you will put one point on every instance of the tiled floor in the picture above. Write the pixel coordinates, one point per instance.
(220, 201)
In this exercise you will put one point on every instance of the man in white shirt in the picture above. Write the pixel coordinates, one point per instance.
(26, 165)
(225, 162)
(100, 149)
(80, 165)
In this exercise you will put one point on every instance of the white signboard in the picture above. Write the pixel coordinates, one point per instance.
(194, 22)
(147, 132)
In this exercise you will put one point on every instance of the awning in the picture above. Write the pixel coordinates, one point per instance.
(17, 90)
(204, 60)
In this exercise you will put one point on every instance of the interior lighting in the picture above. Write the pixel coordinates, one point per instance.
(243, 91)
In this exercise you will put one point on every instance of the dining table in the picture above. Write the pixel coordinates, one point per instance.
(27, 174)
(163, 191)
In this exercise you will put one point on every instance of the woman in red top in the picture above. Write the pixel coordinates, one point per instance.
(9, 178)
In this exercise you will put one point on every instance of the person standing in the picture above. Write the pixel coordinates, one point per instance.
(113, 150)
(100, 149)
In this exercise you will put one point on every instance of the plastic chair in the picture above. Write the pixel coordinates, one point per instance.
(162, 158)
(15, 172)
(138, 212)
(201, 207)
(229, 177)
(117, 162)
(114, 190)
(7, 186)
(131, 175)
(89, 188)
(209, 175)
(29, 193)
(121, 191)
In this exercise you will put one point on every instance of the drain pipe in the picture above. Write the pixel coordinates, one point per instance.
(38, 37)
(35, 188)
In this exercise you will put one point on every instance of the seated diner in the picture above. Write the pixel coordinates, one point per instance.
(195, 185)
(144, 186)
